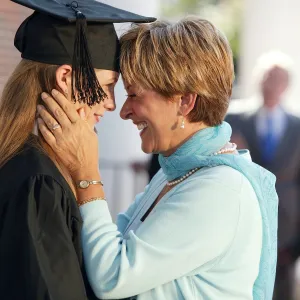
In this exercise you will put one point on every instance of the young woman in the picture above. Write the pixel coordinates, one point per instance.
(40, 224)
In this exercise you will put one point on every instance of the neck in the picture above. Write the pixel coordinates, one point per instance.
(35, 130)
(271, 103)
(190, 131)
(196, 152)
(270, 108)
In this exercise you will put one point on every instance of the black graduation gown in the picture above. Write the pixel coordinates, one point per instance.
(40, 226)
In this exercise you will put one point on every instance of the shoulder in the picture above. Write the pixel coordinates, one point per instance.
(31, 167)
(237, 120)
(219, 186)
(41, 187)
(233, 118)
(207, 177)
(219, 176)
(293, 119)
(35, 161)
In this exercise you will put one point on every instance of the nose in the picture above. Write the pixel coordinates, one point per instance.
(110, 103)
(126, 110)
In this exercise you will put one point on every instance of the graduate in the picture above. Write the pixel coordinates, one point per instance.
(71, 46)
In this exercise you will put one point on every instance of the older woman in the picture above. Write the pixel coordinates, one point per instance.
(205, 227)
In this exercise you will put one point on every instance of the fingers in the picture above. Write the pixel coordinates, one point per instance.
(82, 114)
(56, 110)
(46, 133)
(48, 120)
(67, 107)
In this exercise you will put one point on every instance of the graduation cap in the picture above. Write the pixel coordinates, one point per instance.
(80, 33)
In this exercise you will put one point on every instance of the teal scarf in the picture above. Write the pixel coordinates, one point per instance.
(198, 152)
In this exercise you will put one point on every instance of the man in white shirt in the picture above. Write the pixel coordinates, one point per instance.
(273, 137)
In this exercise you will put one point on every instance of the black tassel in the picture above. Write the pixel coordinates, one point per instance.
(84, 80)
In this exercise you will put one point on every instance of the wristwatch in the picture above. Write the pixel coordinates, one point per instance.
(84, 184)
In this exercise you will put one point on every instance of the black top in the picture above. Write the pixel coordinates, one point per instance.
(40, 226)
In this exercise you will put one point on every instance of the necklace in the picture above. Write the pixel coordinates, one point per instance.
(222, 151)
(173, 182)
(227, 150)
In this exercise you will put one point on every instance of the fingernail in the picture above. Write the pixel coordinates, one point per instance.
(54, 92)
(44, 96)
(82, 113)
(40, 108)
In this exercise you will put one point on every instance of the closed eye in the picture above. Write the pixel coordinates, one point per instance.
(131, 95)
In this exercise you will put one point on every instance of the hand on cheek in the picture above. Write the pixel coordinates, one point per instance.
(82, 114)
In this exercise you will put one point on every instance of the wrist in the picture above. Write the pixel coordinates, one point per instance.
(86, 174)
(93, 191)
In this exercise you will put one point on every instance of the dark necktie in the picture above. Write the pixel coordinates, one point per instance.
(269, 142)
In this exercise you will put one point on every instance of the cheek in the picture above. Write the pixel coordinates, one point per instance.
(161, 129)
(163, 121)
(140, 110)
(97, 108)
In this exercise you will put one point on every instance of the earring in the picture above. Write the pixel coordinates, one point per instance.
(182, 123)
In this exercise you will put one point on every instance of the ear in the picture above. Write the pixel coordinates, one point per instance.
(187, 103)
(64, 78)
(64, 82)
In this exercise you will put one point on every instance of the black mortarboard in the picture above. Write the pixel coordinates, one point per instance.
(79, 33)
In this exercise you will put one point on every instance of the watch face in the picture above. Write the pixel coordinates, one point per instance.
(84, 184)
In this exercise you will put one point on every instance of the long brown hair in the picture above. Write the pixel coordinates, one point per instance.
(20, 97)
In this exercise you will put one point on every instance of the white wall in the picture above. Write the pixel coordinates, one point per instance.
(271, 25)
(120, 140)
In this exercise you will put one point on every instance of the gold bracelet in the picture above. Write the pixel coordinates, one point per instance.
(80, 203)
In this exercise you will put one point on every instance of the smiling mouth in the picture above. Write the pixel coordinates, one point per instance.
(98, 118)
(142, 127)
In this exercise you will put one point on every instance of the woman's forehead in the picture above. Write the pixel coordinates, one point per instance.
(108, 75)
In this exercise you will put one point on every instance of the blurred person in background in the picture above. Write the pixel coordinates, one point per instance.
(206, 225)
(273, 137)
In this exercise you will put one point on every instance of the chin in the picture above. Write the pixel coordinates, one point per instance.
(147, 148)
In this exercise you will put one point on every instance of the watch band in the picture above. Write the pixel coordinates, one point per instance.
(84, 184)
(96, 182)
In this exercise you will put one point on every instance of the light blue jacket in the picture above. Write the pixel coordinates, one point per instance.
(202, 241)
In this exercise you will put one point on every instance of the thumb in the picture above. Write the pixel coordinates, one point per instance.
(82, 113)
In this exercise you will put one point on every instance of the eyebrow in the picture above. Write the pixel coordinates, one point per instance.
(113, 80)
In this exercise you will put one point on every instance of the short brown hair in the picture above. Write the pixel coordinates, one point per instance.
(190, 56)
